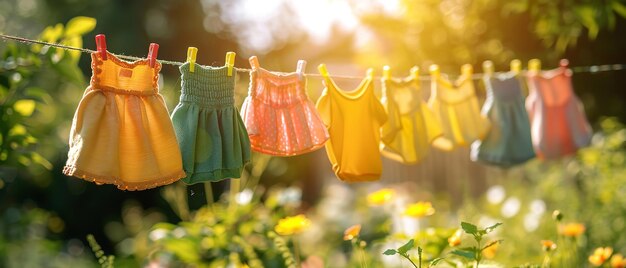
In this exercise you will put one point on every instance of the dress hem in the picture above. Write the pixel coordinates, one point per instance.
(122, 185)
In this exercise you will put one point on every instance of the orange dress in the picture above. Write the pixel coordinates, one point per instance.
(279, 117)
(121, 132)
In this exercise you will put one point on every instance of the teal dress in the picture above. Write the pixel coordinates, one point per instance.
(212, 137)
(508, 142)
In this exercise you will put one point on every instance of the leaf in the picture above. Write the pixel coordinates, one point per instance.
(406, 247)
(39, 159)
(619, 8)
(491, 244)
(587, 15)
(464, 254)
(74, 41)
(50, 34)
(79, 25)
(390, 252)
(492, 227)
(24, 107)
(184, 249)
(469, 228)
(436, 261)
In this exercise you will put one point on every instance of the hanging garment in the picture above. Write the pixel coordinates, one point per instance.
(353, 120)
(558, 122)
(279, 117)
(508, 141)
(210, 132)
(121, 133)
(412, 126)
(456, 108)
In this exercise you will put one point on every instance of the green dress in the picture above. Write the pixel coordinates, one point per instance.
(212, 137)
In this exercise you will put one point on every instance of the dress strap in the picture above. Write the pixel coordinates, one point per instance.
(301, 67)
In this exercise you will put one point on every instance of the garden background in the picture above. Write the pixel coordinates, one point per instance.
(46, 217)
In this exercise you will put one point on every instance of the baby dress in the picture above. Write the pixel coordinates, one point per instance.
(279, 117)
(412, 126)
(557, 118)
(121, 133)
(211, 135)
(456, 108)
(353, 119)
(508, 141)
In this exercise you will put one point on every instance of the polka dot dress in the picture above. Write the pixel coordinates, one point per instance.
(279, 117)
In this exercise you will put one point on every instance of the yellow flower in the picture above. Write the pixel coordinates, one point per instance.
(618, 261)
(419, 209)
(455, 239)
(548, 245)
(352, 232)
(490, 252)
(600, 255)
(572, 229)
(380, 197)
(292, 225)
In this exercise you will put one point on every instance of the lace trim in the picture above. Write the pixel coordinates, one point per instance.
(122, 185)
(97, 87)
(96, 61)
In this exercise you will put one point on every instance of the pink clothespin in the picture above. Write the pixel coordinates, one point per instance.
(152, 53)
(101, 46)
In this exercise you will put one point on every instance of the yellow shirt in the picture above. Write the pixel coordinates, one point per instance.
(353, 120)
(456, 108)
(412, 126)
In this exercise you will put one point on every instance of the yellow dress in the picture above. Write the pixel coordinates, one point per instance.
(353, 120)
(121, 133)
(412, 126)
(456, 107)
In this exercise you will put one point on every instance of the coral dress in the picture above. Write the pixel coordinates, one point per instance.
(412, 126)
(121, 133)
(558, 122)
(354, 120)
(508, 141)
(211, 134)
(456, 108)
(280, 118)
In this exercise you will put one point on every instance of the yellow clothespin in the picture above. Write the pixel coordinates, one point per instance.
(534, 65)
(488, 68)
(230, 62)
(415, 73)
(254, 62)
(370, 73)
(434, 70)
(467, 70)
(386, 72)
(323, 70)
(192, 52)
(516, 66)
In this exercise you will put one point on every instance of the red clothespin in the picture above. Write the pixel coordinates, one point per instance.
(101, 46)
(152, 53)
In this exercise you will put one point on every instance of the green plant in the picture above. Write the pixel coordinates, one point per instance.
(475, 253)
(104, 260)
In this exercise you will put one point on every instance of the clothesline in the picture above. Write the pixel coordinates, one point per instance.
(475, 76)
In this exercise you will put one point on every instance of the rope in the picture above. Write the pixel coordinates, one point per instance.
(475, 76)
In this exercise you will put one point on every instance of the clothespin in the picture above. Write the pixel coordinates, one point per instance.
(230, 62)
(370, 73)
(152, 53)
(534, 65)
(434, 70)
(101, 46)
(415, 73)
(386, 72)
(488, 67)
(192, 52)
(516, 66)
(300, 69)
(467, 70)
(323, 71)
(254, 62)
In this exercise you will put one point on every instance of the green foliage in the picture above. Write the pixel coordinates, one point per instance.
(104, 260)
(30, 80)
(402, 251)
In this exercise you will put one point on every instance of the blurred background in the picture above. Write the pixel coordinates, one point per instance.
(46, 216)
